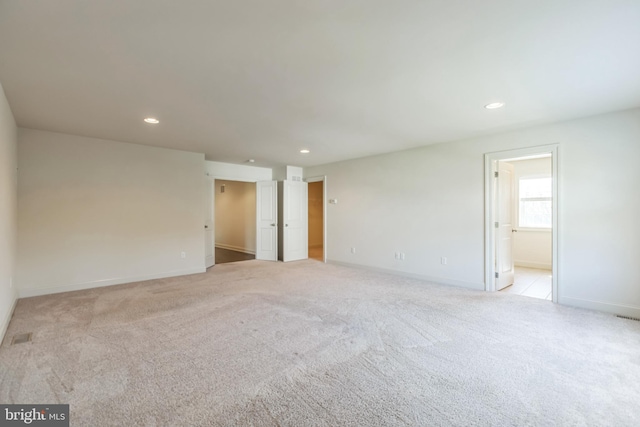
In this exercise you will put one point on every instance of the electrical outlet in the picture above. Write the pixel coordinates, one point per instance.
(401, 256)
(353, 250)
(183, 254)
(443, 260)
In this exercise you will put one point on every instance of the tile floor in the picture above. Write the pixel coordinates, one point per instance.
(531, 282)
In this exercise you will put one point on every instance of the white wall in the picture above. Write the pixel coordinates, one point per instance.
(235, 214)
(531, 247)
(8, 211)
(95, 212)
(429, 203)
(289, 173)
(229, 171)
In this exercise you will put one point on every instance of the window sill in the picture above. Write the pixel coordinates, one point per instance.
(531, 229)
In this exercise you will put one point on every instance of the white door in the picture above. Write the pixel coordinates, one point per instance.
(209, 236)
(504, 238)
(296, 221)
(267, 220)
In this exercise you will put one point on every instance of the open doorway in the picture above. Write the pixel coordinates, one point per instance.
(235, 221)
(532, 226)
(521, 226)
(316, 218)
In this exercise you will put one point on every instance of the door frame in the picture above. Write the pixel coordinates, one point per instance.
(490, 163)
(322, 178)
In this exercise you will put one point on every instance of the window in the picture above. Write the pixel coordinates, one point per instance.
(534, 204)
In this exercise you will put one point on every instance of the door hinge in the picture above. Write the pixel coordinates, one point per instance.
(496, 224)
(497, 275)
(495, 174)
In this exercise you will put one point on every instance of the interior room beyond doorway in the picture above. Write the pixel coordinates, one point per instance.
(532, 227)
(316, 220)
(235, 221)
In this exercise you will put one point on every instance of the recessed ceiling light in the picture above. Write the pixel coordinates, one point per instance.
(305, 151)
(494, 105)
(152, 120)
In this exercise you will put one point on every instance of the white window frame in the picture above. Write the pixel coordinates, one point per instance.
(516, 202)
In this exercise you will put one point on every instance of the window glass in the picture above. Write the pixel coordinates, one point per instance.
(535, 198)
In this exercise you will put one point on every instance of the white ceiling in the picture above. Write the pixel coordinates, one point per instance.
(242, 79)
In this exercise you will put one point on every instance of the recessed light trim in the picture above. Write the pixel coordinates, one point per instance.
(494, 105)
(152, 120)
(305, 151)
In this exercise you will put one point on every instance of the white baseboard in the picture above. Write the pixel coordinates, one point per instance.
(529, 264)
(438, 280)
(607, 307)
(7, 318)
(46, 290)
(235, 248)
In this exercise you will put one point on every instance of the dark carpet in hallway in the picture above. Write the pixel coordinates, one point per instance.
(224, 256)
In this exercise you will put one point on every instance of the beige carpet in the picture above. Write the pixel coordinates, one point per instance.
(309, 344)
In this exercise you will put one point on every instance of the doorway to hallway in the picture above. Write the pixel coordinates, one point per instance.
(235, 221)
(317, 218)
